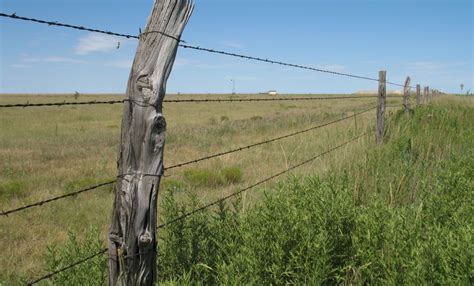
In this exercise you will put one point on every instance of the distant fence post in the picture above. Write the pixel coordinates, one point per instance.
(406, 95)
(418, 95)
(132, 234)
(382, 95)
(425, 95)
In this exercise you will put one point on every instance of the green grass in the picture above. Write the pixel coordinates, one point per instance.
(51, 151)
(403, 215)
(213, 178)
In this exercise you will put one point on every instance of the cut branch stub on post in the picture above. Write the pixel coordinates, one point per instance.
(132, 234)
(382, 95)
(406, 96)
(418, 95)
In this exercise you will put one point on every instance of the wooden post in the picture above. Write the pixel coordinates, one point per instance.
(381, 106)
(406, 96)
(418, 95)
(425, 95)
(428, 93)
(132, 234)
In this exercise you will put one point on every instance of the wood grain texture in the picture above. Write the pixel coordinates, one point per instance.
(382, 96)
(132, 234)
(406, 96)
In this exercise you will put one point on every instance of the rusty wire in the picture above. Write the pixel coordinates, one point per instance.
(204, 100)
(122, 176)
(82, 28)
(40, 203)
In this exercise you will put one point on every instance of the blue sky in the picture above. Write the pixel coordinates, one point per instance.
(432, 41)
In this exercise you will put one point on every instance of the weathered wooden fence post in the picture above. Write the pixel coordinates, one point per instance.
(379, 132)
(425, 95)
(418, 95)
(406, 96)
(132, 234)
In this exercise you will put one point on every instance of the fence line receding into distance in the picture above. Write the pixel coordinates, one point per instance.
(381, 104)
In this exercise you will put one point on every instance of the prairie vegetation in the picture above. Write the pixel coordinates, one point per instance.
(400, 213)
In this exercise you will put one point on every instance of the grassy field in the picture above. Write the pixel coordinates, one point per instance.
(48, 151)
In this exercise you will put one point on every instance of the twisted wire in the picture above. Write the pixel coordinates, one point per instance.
(205, 100)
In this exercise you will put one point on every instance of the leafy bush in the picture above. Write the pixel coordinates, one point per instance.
(313, 231)
(92, 272)
(402, 216)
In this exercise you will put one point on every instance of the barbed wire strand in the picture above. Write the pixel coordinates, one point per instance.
(183, 44)
(207, 100)
(261, 182)
(82, 28)
(51, 274)
(40, 203)
(60, 103)
(186, 215)
(268, 141)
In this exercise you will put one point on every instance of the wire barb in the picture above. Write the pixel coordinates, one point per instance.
(207, 100)
(82, 28)
(40, 203)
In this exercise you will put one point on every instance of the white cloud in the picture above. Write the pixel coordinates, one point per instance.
(54, 59)
(20, 66)
(96, 43)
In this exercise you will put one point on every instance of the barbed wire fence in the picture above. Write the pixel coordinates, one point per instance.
(184, 44)
(207, 100)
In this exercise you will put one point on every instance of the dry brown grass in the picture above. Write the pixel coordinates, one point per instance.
(47, 151)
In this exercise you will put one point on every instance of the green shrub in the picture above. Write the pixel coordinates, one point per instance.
(92, 272)
(409, 222)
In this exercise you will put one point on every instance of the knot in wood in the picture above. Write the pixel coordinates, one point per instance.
(158, 133)
(145, 241)
(159, 124)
